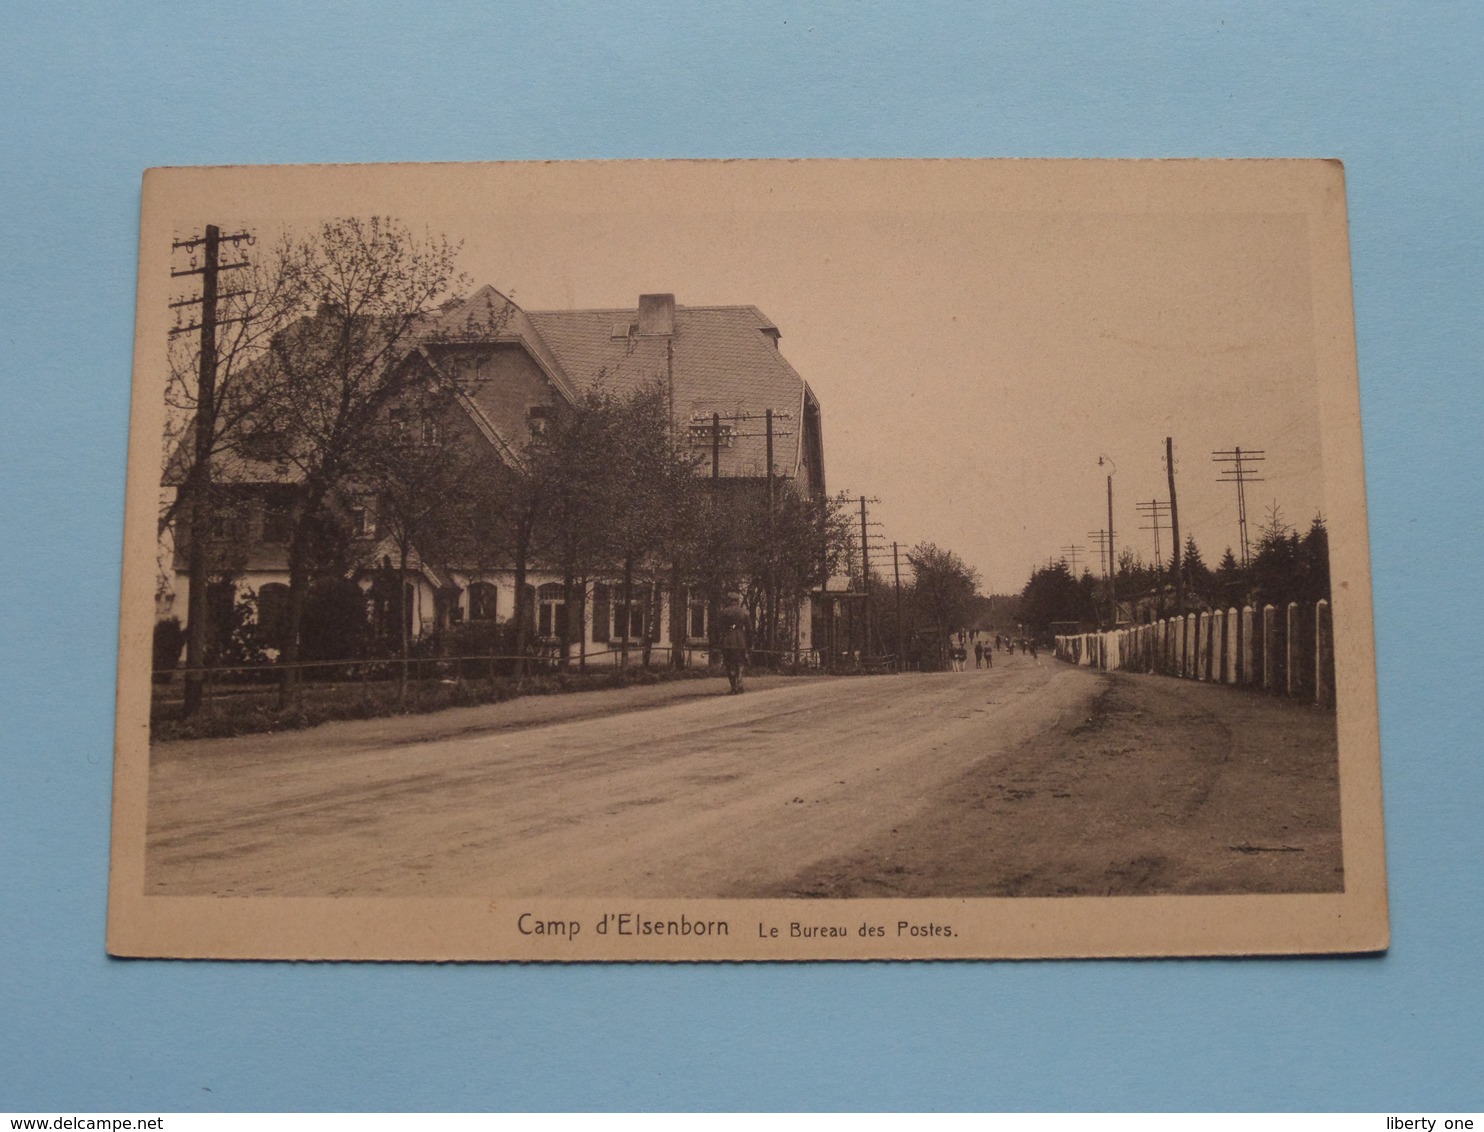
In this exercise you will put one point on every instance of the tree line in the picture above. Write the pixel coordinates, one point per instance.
(1285, 566)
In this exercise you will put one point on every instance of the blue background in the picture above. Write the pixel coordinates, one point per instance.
(91, 95)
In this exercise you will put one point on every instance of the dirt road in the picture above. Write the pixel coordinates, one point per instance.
(803, 786)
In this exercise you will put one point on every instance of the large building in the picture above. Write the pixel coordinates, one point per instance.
(722, 370)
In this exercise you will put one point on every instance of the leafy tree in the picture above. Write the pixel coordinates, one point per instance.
(257, 301)
(943, 588)
(419, 475)
(328, 378)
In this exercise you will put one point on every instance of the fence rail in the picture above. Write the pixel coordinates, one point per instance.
(244, 679)
(1288, 651)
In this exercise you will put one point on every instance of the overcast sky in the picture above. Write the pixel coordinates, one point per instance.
(977, 334)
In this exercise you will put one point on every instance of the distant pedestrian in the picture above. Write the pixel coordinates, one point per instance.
(732, 620)
(978, 655)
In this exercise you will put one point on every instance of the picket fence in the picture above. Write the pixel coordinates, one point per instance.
(1288, 652)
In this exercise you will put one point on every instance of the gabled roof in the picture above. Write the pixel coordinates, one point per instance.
(488, 316)
(719, 359)
(386, 548)
(725, 360)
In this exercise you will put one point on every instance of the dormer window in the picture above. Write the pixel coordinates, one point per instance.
(538, 417)
(401, 427)
(363, 521)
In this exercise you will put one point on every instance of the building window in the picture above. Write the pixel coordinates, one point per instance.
(628, 621)
(696, 624)
(401, 427)
(482, 601)
(276, 518)
(432, 433)
(538, 417)
(551, 608)
(273, 614)
(614, 621)
(362, 521)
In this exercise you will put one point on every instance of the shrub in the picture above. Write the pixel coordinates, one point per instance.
(169, 639)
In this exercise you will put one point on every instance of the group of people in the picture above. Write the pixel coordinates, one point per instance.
(1009, 644)
(732, 618)
(958, 652)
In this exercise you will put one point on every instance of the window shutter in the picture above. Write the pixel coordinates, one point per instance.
(600, 614)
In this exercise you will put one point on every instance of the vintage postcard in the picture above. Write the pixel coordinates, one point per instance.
(758, 560)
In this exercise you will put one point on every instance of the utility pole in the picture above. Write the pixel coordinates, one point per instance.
(772, 606)
(715, 450)
(1073, 552)
(1174, 526)
(1112, 565)
(198, 558)
(734, 433)
(1240, 474)
(1155, 510)
(896, 566)
(865, 582)
(713, 604)
(1104, 556)
(1101, 536)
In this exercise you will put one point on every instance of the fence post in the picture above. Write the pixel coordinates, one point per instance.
(1324, 655)
(1213, 648)
(1218, 646)
(1248, 676)
(1203, 647)
(1187, 646)
(1269, 640)
(1294, 660)
(1233, 634)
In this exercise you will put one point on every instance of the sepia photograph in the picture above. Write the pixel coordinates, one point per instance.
(746, 560)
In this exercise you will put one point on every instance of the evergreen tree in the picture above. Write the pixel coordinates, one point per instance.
(1230, 582)
(1195, 573)
(1052, 594)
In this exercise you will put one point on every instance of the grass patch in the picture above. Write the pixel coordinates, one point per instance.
(256, 711)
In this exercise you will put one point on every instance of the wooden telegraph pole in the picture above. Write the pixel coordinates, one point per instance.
(1112, 564)
(198, 558)
(865, 585)
(896, 566)
(1174, 526)
(772, 601)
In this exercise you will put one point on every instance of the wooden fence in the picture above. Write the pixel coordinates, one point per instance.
(1289, 652)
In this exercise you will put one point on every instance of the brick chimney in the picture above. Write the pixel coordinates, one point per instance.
(657, 314)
